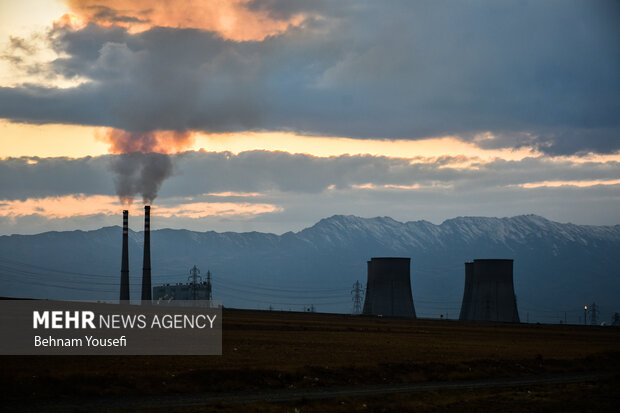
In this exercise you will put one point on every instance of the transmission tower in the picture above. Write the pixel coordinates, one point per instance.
(594, 314)
(357, 293)
(193, 280)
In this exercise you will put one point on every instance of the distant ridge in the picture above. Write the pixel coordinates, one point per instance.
(558, 267)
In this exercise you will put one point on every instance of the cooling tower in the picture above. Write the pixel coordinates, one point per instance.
(146, 265)
(489, 293)
(466, 305)
(388, 289)
(125, 259)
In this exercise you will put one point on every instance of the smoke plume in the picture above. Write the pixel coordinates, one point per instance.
(143, 162)
(140, 173)
(152, 141)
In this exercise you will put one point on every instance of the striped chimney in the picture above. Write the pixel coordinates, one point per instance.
(146, 266)
(125, 259)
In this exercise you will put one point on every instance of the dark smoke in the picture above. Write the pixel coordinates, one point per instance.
(143, 163)
(140, 173)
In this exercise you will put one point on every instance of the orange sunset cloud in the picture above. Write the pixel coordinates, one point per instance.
(230, 18)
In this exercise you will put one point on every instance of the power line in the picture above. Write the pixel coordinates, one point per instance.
(277, 293)
(11, 263)
(273, 288)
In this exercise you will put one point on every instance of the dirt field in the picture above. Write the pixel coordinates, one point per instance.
(278, 351)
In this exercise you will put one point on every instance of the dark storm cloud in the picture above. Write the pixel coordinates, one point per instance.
(547, 71)
(282, 173)
(22, 178)
(285, 9)
(263, 171)
(106, 14)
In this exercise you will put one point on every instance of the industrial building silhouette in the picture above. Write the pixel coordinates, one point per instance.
(183, 291)
(489, 293)
(388, 289)
(196, 289)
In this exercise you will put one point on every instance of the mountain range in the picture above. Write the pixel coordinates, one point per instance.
(558, 267)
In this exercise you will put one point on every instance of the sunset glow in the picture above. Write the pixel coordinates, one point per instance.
(51, 140)
(81, 205)
(335, 146)
(413, 187)
(578, 184)
(74, 141)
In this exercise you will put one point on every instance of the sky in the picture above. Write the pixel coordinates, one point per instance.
(268, 115)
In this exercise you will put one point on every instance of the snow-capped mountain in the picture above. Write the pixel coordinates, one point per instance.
(558, 267)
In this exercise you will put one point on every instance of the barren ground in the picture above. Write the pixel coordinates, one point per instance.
(279, 352)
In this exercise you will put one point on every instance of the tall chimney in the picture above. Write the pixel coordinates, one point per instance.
(146, 265)
(125, 260)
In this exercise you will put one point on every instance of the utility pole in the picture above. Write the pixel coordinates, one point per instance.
(357, 297)
(193, 279)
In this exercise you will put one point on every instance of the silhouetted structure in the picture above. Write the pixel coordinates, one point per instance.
(489, 292)
(186, 292)
(357, 293)
(146, 265)
(388, 289)
(195, 289)
(125, 259)
(594, 311)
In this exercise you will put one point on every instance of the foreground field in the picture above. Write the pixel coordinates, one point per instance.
(273, 351)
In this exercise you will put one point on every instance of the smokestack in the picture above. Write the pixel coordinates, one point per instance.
(388, 289)
(489, 293)
(125, 260)
(146, 265)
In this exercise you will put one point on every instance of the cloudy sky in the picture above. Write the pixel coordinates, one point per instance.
(268, 115)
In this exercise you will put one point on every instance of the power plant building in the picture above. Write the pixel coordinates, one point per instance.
(181, 291)
(388, 289)
(489, 291)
